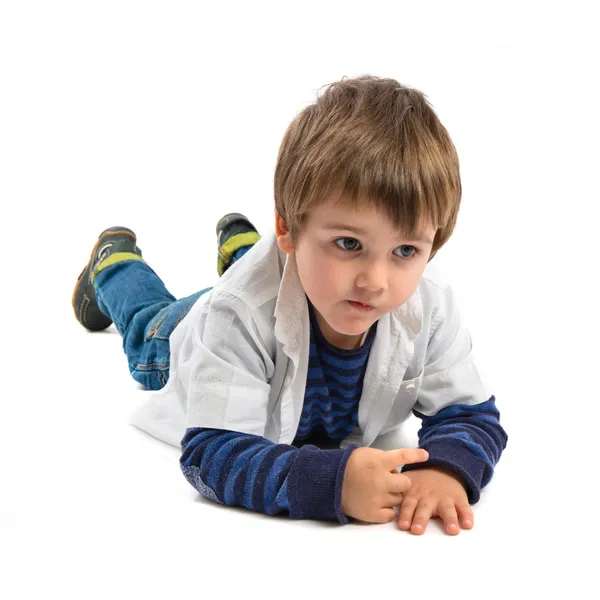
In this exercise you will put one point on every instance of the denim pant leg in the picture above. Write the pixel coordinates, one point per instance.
(145, 313)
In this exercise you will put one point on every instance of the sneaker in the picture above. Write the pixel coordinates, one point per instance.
(234, 231)
(87, 311)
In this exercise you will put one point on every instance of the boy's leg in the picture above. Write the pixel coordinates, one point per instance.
(145, 313)
(118, 286)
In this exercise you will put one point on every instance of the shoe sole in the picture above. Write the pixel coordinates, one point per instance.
(84, 275)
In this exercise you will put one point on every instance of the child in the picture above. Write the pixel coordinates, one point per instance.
(325, 336)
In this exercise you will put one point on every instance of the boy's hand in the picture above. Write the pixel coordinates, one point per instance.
(372, 487)
(435, 492)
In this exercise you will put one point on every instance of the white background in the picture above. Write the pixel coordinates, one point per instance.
(163, 116)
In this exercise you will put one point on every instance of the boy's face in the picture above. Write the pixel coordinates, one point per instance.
(354, 266)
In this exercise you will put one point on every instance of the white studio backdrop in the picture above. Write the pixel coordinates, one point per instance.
(162, 117)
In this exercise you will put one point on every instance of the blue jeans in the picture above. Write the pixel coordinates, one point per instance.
(145, 313)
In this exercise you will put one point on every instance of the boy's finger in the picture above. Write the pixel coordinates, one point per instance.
(447, 512)
(386, 515)
(465, 514)
(423, 513)
(398, 483)
(394, 500)
(406, 456)
(407, 510)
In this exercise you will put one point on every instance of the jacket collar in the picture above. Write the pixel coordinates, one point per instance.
(291, 309)
(392, 352)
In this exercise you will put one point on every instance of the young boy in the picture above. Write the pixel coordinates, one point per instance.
(325, 336)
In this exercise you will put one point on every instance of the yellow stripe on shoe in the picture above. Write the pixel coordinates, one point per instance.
(232, 245)
(115, 258)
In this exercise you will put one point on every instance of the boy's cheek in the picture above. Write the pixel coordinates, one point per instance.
(326, 282)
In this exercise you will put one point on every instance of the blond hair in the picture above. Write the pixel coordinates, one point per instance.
(376, 139)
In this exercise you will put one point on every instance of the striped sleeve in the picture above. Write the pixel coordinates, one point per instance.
(239, 469)
(467, 439)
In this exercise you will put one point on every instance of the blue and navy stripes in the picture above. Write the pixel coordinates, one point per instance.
(333, 387)
(240, 469)
(246, 470)
(466, 439)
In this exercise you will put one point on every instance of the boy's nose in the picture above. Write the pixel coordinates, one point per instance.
(373, 278)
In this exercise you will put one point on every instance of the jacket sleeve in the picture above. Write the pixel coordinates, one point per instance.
(246, 470)
(227, 367)
(460, 422)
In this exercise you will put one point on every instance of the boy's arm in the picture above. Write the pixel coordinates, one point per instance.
(467, 439)
(247, 470)
(460, 422)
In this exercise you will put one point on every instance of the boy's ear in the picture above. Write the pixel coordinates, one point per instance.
(284, 238)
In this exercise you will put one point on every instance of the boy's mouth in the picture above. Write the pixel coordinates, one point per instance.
(361, 306)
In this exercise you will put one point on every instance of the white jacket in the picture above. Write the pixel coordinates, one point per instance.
(239, 358)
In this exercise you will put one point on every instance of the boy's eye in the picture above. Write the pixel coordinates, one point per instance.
(350, 244)
(402, 255)
(347, 243)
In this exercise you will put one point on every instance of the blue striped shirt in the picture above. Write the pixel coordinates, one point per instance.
(304, 479)
(333, 387)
